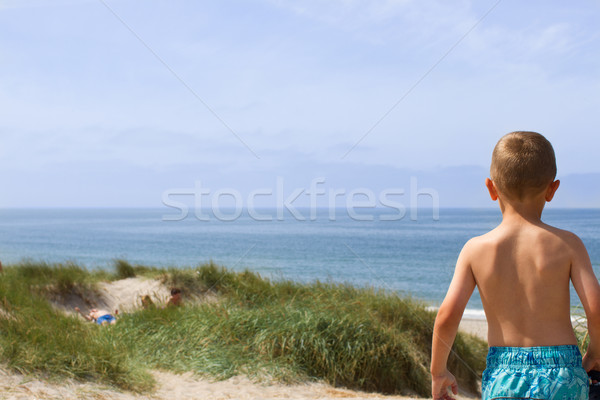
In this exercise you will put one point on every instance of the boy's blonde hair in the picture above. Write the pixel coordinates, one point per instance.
(523, 163)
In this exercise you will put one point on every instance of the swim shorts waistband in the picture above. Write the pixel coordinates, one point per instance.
(542, 356)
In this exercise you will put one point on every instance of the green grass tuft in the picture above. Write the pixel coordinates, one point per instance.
(124, 270)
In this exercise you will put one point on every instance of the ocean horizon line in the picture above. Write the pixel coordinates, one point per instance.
(99, 207)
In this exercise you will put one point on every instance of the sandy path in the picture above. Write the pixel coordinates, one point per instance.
(174, 387)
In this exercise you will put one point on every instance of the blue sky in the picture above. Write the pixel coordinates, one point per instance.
(248, 91)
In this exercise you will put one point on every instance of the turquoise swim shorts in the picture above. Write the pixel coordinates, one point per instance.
(548, 373)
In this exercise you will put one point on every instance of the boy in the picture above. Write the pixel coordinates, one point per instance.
(522, 269)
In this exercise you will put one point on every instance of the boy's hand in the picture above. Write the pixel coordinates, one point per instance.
(590, 362)
(440, 384)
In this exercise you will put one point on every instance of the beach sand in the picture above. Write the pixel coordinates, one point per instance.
(125, 295)
(185, 386)
(474, 326)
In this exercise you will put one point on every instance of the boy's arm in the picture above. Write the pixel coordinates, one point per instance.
(587, 288)
(446, 323)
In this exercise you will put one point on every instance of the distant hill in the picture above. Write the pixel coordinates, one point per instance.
(125, 185)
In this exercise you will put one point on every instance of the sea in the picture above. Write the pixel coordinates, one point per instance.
(412, 256)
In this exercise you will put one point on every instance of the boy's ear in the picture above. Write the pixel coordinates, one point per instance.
(552, 188)
(491, 188)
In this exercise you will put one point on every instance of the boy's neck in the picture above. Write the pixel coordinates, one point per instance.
(529, 210)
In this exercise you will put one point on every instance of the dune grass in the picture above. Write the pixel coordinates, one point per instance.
(354, 337)
(579, 321)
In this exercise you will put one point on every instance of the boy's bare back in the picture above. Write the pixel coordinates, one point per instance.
(522, 270)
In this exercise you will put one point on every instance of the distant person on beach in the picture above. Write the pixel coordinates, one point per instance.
(175, 299)
(522, 270)
(101, 317)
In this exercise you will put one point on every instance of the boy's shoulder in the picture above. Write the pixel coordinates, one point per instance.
(479, 244)
(487, 239)
(559, 236)
(571, 240)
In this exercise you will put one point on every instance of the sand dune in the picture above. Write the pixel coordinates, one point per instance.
(126, 295)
